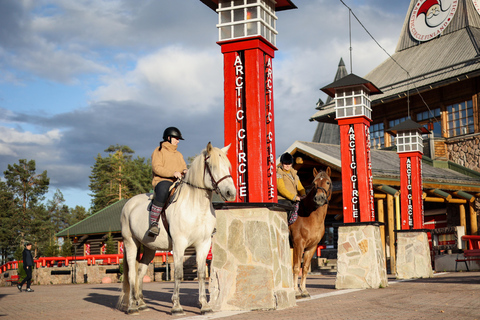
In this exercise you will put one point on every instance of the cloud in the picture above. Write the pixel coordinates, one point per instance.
(179, 78)
(144, 66)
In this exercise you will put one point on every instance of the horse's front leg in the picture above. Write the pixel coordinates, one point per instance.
(202, 252)
(297, 260)
(130, 253)
(178, 253)
(307, 262)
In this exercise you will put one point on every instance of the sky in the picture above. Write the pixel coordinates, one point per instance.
(79, 76)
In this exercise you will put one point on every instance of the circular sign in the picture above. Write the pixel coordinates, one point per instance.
(476, 3)
(429, 18)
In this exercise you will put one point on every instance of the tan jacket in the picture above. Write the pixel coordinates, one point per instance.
(288, 184)
(165, 162)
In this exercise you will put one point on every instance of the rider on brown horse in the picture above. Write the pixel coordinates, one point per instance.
(290, 189)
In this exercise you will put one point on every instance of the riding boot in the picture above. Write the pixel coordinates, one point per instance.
(154, 214)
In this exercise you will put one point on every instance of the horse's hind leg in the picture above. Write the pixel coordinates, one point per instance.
(148, 255)
(201, 252)
(307, 261)
(131, 248)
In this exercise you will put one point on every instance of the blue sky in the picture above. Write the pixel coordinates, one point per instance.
(79, 76)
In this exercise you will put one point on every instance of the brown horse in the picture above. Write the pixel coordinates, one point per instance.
(309, 228)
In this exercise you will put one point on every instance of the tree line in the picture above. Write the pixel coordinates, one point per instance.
(26, 214)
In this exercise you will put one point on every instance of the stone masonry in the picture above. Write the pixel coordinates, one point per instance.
(413, 255)
(360, 262)
(251, 267)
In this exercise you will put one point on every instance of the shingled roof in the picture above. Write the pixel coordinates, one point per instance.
(451, 57)
(386, 167)
(104, 221)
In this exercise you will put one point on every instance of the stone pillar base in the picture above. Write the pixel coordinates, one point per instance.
(360, 261)
(413, 255)
(251, 267)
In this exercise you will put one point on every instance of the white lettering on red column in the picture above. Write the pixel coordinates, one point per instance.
(353, 176)
(241, 134)
(269, 126)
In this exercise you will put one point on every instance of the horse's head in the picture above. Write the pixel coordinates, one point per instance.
(217, 172)
(323, 186)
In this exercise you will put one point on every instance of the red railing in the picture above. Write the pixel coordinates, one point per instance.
(473, 242)
(65, 261)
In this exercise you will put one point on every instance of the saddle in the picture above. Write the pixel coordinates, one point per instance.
(170, 198)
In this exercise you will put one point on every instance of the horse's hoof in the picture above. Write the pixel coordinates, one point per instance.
(178, 312)
(305, 295)
(298, 295)
(143, 308)
(205, 311)
(132, 311)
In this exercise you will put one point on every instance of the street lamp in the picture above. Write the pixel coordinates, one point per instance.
(408, 136)
(246, 18)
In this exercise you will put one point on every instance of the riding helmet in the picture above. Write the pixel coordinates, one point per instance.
(172, 132)
(286, 158)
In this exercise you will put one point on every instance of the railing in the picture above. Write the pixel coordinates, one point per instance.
(65, 261)
(473, 242)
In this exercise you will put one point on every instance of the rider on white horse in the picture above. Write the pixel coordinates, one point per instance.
(168, 165)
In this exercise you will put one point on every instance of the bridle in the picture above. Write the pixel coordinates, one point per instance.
(327, 193)
(206, 168)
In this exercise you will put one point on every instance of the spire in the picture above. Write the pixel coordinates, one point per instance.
(341, 73)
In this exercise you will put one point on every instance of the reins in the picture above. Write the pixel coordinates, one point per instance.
(206, 168)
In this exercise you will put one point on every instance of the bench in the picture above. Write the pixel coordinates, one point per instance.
(13, 279)
(472, 251)
(468, 255)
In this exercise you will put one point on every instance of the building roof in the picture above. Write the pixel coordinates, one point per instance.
(104, 221)
(420, 66)
(386, 167)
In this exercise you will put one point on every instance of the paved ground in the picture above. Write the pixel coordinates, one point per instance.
(446, 296)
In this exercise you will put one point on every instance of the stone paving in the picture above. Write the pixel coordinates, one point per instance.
(445, 296)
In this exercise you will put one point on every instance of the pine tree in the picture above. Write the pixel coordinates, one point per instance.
(8, 234)
(118, 177)
(31, 219)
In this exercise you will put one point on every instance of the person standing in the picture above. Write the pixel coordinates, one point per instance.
(27, 266)
(168, 165)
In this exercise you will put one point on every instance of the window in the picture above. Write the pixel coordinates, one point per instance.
(431, 117)
(460, 118)
(377, 134)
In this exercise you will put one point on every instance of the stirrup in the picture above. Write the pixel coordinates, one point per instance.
(154, 229)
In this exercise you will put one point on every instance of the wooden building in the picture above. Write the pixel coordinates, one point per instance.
(90, 234)
(433, 78)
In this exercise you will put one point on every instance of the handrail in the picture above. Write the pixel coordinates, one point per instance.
(472, 240)
(91, 260)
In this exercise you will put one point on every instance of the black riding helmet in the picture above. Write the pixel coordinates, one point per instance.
(286, 158)
(172, 132)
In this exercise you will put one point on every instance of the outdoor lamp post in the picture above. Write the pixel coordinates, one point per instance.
(409, 142)
(247, 36)
(353, 113)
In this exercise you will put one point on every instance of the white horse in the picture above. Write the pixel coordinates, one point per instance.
(191, 219)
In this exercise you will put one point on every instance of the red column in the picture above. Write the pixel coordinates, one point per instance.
(411, 190)
(249, 120)
(357, 183)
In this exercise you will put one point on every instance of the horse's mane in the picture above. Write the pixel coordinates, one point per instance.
(195, 174)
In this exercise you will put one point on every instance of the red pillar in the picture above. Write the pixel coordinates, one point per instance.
(357, 181)
(411, 190)
(248, 118)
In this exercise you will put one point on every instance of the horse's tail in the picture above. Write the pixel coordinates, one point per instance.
(122, 303)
